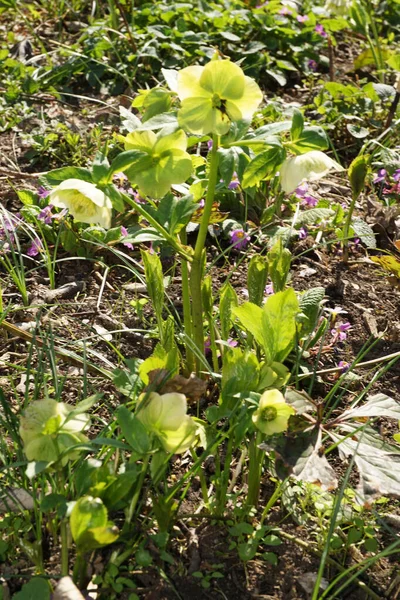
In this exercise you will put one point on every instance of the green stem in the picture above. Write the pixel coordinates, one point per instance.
(80, 571)
(167, 236)
(224, 477)
(346, 229)
(203, 482)
(187, 318)
(64, 548)
(256, 459)
(197, 263)
(136, 495)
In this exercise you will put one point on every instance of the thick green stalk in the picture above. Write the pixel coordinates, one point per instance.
(197, 261)
(256, 459)
(187, 317)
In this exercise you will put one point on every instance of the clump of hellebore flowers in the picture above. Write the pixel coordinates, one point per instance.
(49, 428)
(272, 415)
(215, 95)
(165, 416)
(85, 202)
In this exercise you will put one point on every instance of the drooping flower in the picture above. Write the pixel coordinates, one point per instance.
(239, 238)
(35, 248)
(338, 7)
(272, 415)
(42, 192)
(125, 233)
(165, 416)
(381, 176)
(85, 202)
(215, 95)
(46, 215)
(48, 429)
(234, 183)
(303, 233)
(165, 161)
(312, 65)
(309, 166)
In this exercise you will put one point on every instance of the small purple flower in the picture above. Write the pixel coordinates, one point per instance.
(285, 11)
(234, 184)
(35, 248)
(125, 233)
(340, 331)
(46, 215)
(396, 175)
(231, 342)
(42, 192)
(269, 289)
(344, 366)
(302, 190)
(207, 346)
(381, 176)
(239, 238)
(321, 31)
(302, 18)
(312, 65)
(303, 233)
(309, 201)
(209, 145)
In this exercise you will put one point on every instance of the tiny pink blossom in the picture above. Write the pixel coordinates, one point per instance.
(319, 29)
(302, 18)
(125, 233)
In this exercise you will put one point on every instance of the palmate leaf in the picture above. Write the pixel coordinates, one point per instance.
(378, 405)
(300, 456)
(377, 461)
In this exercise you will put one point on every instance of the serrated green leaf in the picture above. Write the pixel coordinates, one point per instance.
(364, 232)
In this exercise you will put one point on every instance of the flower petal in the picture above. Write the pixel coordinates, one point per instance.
(140, 140)
(173, 141)
(189, 83)
(197, 115)
(245, 106)
(173, 411)
(224, 78)
(181, 439)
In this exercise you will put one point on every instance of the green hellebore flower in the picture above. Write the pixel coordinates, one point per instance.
(47, 431)
(166, 417)
(272, 414)
(85, 202)
(310, 166)
(338, 7)
(214, 95)
(165, 161)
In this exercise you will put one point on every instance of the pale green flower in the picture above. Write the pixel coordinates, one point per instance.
(215, 95)
(47, 431)
(338, 7)
(309, 166)
(272, 414)
(165, 162)
(85, 202)
(166, 417)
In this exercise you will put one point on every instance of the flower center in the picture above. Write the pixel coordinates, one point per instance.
(269, 413)
(216, 101)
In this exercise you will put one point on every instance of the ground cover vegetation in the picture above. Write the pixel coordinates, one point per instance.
(200, 296)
